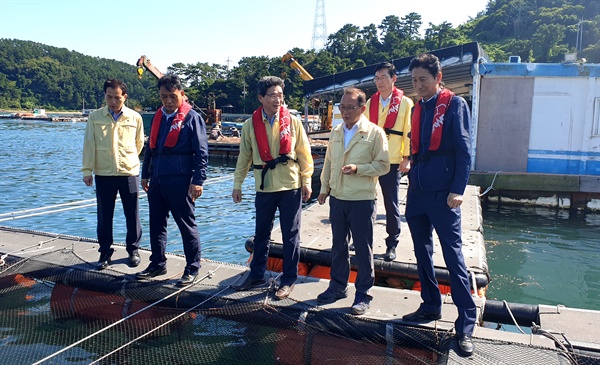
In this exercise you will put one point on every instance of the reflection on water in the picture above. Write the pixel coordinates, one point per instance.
(542, 256)
(537, 256)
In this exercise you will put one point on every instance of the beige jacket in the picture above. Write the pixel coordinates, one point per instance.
(399, 146)
(292, 175)
(368, 150)
(112, 148)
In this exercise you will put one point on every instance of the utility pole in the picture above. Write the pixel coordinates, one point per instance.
(579, 41)
(244, 93)
(319, 37)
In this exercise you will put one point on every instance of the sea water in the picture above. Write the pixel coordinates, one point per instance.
(535, 256)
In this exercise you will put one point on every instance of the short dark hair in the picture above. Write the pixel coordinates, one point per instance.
(268, 81)
(170, 82)
(390, 67)
(114, 84)
(361, 97)
(427, 61)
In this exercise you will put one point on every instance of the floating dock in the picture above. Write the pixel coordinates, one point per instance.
(562, 333)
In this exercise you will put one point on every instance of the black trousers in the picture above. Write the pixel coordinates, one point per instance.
(107, 188)
(356, 219)
(289, 203)
(390, 186)
(426, 211)
(166, 196)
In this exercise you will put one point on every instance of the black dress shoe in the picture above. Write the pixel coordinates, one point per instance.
(187, 279)
(390, 254)
(151, 271)
(249, 284)
(421, 316)
(104, 260)
(134, 259)
(465, 344)
(330, 296)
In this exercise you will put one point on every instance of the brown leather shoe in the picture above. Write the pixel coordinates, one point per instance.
(284, 291)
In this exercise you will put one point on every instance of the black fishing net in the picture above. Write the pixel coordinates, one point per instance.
(55, 311)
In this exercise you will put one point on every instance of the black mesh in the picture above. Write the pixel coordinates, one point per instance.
(46, 308)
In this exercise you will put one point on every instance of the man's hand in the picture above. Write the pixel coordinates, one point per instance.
(144, 183)
(322, 198)
(349, 169)
(88, 180)
(306, 192)
(404, 165)
(454, 200)
(237, 195)
(195, 191)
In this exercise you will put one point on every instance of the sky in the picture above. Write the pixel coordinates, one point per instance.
(191, 31)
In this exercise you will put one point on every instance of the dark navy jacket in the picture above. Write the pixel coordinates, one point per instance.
(447, 168)
(188, 158)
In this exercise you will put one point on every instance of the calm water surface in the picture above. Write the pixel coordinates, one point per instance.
(40, 166)
(535, 256)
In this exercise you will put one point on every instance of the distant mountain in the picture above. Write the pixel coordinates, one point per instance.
(36, 75)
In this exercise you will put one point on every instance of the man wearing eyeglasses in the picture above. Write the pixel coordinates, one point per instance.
(356, 155)
(275, 145)
(390, 109)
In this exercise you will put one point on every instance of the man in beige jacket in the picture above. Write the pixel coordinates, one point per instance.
(114, 138)
(274, 144)
(357, 154)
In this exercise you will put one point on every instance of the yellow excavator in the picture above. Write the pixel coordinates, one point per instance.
(212, 116)
(324, 107)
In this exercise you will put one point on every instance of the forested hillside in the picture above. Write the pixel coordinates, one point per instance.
(37, 75)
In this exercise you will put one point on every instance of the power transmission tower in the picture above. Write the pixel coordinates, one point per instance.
(319, 38)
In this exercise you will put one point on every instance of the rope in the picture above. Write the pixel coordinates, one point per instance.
(47, 212)
(50, 208)
(535, 329)
(38, 245)
(491, 185)
(46, 207)
(210, 273)
(217, 180)
(511, 316)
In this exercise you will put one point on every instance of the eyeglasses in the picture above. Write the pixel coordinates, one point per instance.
(348, 108)
(381, 78)
(275, 96)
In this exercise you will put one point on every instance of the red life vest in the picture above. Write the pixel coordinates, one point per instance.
(176, 124)
(441, 105)
(390, 120)
(285, 141)
(260, 131)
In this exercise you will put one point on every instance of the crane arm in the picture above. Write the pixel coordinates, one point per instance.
(291, 61)
(144, 64)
